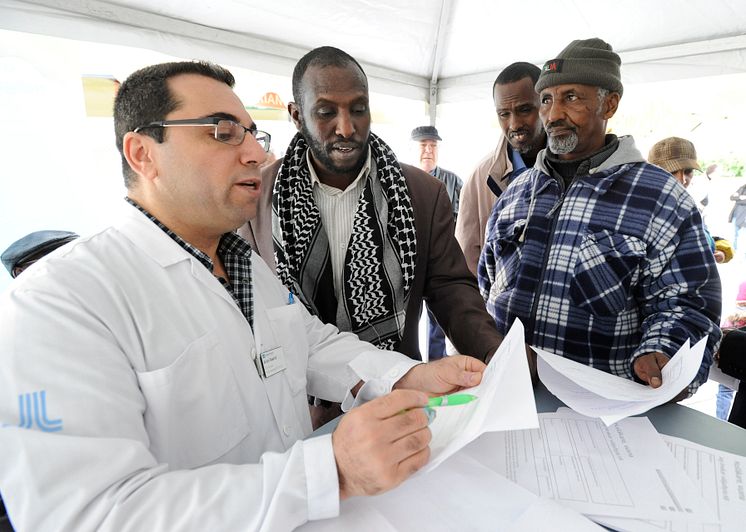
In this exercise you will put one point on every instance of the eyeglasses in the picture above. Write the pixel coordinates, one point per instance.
(226, 131)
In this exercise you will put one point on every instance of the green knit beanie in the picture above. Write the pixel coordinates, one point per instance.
(586, 61)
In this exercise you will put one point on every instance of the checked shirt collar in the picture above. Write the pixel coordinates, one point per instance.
(235, 253)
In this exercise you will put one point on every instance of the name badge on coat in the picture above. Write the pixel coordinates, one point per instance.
(270, 362)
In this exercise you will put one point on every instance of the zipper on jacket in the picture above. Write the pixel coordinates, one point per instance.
(553, 212)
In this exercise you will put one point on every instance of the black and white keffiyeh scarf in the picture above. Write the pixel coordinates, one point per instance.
(380, 260)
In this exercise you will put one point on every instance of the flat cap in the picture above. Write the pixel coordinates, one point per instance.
(674, 153)
(34, 245)
(425, 132)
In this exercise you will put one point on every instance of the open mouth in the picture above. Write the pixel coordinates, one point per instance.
(520, 136)
(346, 148)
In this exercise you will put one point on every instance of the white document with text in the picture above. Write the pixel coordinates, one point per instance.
(624, 470)
(721, 479)
(459, 495)
(595, 393)
(506, 381)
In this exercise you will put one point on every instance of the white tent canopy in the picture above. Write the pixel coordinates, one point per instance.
(428, 50)
(61, 170)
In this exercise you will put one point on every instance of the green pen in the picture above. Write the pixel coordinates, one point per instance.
(451, 400)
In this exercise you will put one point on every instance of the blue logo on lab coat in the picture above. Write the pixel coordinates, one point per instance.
(32, 409)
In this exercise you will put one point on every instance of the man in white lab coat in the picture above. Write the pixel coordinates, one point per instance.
(154, 375)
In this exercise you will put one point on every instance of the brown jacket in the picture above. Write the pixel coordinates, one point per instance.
(441, 276)
(477, 201)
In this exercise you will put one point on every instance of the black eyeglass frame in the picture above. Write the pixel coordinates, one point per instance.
(214, 121)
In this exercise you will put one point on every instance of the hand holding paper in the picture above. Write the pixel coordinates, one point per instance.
(648, 368)
(595, 393)
(505, 381)
(446, 375)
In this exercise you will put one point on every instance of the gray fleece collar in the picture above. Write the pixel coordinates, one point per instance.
(626, 153)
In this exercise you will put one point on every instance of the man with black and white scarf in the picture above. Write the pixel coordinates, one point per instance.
(358, 237)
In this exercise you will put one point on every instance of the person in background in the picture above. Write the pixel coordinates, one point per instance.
(678, 157)
(427, 139)
(735, 320)
(155, 374)
(731, 359)
(601, 255)
(27, 250)
(517, 108)
(738, 213)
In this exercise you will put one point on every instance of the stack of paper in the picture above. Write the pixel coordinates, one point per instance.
(718, 475)
(455, 491)
(496, 465)
(613, 475)
(460, 495)
(596, 393)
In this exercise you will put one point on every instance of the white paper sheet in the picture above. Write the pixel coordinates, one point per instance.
(721, 479)
(506, 381)
(460, 495)
(595, 393)
(624, 470)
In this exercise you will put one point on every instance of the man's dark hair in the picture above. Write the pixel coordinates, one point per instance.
(322, 57)
(144, 97)
(516, 72)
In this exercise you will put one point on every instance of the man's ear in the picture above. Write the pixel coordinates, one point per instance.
(139, 151)
(611, 104)
(295, 114)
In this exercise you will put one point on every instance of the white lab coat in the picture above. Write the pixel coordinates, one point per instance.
(153, 415)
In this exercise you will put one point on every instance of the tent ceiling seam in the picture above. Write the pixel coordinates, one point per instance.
(125, 16)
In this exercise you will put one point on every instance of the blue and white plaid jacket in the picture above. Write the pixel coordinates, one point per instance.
(617, 267)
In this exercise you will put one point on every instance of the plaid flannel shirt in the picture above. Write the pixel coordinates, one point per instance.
(616, 267)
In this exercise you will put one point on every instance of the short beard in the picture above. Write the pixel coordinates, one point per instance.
(538, 141)
(564, 144)
(318, 150)
(523, 150)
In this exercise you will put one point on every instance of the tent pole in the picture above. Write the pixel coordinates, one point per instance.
(433, 102)
(439, 45)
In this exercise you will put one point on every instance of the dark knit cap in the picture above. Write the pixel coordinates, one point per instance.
(586, 61)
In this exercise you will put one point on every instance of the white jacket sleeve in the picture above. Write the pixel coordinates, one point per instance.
(57, 482)
(75, 449)
(338, 361)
